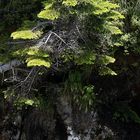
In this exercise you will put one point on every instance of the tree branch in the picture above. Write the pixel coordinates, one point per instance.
(9, 65)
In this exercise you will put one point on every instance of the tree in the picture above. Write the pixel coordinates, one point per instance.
(73, 40)
(83, 33)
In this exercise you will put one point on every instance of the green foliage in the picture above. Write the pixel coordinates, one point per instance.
(21, 102)
(131, 26)
(37, 62)
(34, 51)
(26, 34)
(24, 101)
(85, 58)
(113, 29)
(104, 10)
(8, 93)
(34, 56)
(88, 99)
(99, 17)
(50, 14)
(125, 114)
(99, 28)
(37, 57)
(106, 71)
(115, 15)
(70, 2)
(12, 15)
(83, 95)
(105, 59)
(103, 7)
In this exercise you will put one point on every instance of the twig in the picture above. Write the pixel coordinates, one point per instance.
(59, 38)
(33, 79)
(21, 83)
(41, 24)
(48, 38)
(28, 75)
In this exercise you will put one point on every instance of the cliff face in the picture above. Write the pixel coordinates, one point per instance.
(67, 123)
(63, 120)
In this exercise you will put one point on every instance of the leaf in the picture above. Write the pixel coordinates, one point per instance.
(37, 62)
(115, 15)
(26, 34)
(50, 14)
(34, 51)
(70, 2)
(105, 59)
(109, 59)
(102, 7)
(118, 44)
(48, 5)
(106, 71)
(113, 29)
(29, 102)
(86, 58)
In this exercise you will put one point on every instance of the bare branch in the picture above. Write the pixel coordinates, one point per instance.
(21, 42)
(9, 65)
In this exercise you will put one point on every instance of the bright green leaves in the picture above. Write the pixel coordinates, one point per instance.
(37, 62)
(34, 57)
(88, 97)
(34, 51)
(108, 13)
(29, 102)
(103, 12)
(37, 57)
(85, 58)
(114, 29)
(105, 59)
(115, 15)
(22, 101)
(106, 71)
(70, 2)
(90, 58)
(49, 11)
(50, 14)
(102, 7)
(83, 95)
(26, 34)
